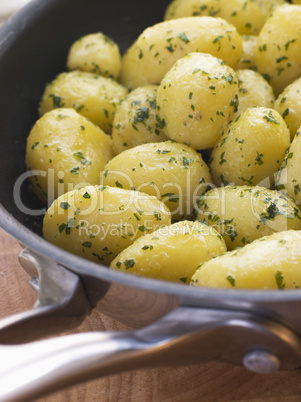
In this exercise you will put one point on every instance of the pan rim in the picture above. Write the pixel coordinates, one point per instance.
(82, 267)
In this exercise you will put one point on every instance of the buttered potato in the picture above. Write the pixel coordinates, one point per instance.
(253, 91)
(272, 262)
(247, 16)
(118, 149)
(64, 150)
(95, 53)
(196, 100)
(175, 173)
(91, 95)
(135, 121)
(157, 49)
(251, 148)
(278, 51)
(242, 214)
(288, 104)
(98, 222)
(246, 60)
(288, 177)
(171, 253)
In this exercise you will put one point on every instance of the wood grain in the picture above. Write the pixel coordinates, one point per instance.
(207, 382)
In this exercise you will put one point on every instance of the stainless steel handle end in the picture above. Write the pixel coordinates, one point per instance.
(184, 336)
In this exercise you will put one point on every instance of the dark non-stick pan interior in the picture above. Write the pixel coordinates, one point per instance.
(33, 49)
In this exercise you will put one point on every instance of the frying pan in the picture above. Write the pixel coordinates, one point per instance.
(172, 324)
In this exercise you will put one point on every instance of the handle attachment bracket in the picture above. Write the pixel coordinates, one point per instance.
(61, 304)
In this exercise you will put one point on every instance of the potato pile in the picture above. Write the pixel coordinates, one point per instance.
(181, 158)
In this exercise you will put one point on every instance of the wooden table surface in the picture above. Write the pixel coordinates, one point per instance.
(212, 381)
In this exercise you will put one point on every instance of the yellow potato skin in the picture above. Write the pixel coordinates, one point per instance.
(196, 100)
(269, 6)
(251, 148)
(97, 222)
(278, 51)
(95, 53)
(270, 263)
(242, 214)
(171, 253)
(135, 120)
(288, 177)
(246, 16)
(246, 60)
(160, 46)
(91, 95)
(254, 90)
(175, 173)
(68, 150)
(288, 104)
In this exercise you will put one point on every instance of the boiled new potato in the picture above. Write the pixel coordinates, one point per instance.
(278, 51)
(160, 46)
(95, 53)
(272, 262)
(171, 253)
(98, 222)
(91, 95)
(135, 121)
(175, 173)
(289, 175)
(196, 100)
(242, 214)
(288, 104)
(246, 60)
(64, 150)
(247, 16)
(254, 90)
(251, 148)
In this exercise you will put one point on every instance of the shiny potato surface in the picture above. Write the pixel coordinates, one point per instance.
(278, 51)
(175, 173)
(253, 91)
(91, 95)
(242, 214)
(246, 59)
(196, 99)
(251, 148)
(288, 178)
(135, 120)
(288, 104)
(269, 6)
(247, 16)
(157, 49)
(98, 222)
(270, 263)
(171, 253)
(95, 53)
(64, 150)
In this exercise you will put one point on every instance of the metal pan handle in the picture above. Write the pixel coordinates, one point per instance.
(184, 336)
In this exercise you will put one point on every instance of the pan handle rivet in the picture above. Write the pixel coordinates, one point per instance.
(261, 362)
